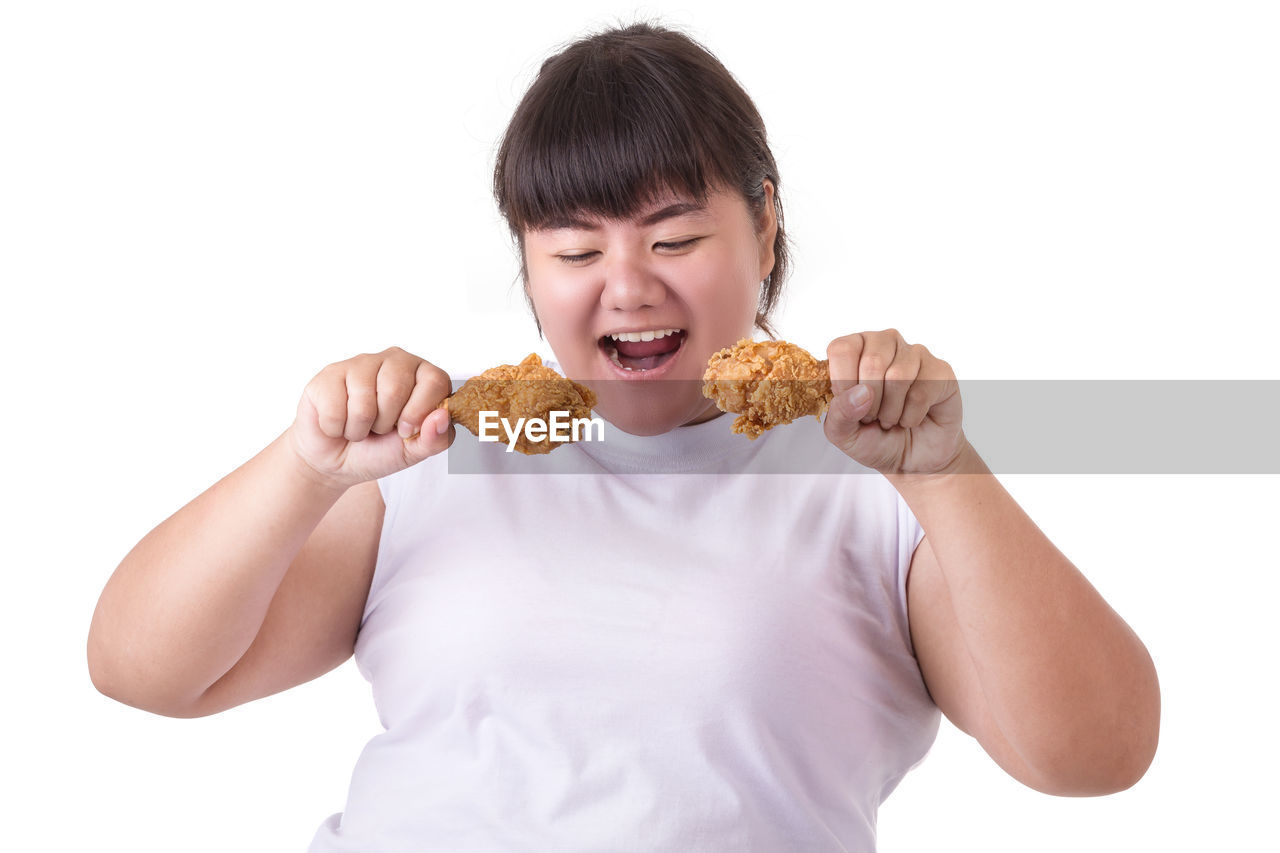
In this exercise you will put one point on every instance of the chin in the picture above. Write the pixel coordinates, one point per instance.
(639, 416)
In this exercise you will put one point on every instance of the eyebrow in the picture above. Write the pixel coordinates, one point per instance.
(671, 211)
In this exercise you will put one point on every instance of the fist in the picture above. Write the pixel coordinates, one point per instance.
(895, 406)
(371, 416)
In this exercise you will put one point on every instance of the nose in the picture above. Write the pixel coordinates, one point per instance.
(631, 284)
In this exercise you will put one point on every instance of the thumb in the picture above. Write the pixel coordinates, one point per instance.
(435, 434)
(841, 425)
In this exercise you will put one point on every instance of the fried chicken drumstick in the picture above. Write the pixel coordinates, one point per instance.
(766, 383)
(529, 389)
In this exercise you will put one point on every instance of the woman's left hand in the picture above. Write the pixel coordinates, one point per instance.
(909, 421)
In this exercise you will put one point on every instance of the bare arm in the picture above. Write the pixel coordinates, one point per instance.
(259, 583)
(188, 600)
(314, 616)
(1018, 648)
(1014, 643)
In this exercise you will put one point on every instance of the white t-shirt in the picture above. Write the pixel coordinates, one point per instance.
(656, 648)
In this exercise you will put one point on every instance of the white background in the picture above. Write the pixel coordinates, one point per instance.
(203, 204)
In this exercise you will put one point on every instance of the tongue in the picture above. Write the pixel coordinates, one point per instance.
(644, 349)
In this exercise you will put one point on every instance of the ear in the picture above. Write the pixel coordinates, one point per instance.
(767, 230)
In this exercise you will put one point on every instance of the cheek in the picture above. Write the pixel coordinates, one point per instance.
(730, 290)
(562, 298)
(545, 282)
(545, 290)
(562, 308)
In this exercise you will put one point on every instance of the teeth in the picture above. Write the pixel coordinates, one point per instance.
(647, 335)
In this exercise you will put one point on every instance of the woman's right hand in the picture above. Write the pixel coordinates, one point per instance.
(371, 416)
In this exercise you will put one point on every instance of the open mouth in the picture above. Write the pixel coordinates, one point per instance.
(641, 351)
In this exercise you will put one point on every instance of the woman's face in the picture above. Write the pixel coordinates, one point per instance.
(687, 270)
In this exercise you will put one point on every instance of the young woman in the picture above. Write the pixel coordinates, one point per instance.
(669, 651)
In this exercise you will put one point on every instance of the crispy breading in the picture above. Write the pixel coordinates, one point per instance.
(766, 383)
(529, 389)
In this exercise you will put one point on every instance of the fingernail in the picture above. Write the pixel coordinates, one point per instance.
(859, 396)
(442, 425)
(406, 429)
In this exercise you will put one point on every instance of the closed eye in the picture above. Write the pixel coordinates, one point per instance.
(677, 245)
(667, 246)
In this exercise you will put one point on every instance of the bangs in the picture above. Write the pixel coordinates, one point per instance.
(608, 134)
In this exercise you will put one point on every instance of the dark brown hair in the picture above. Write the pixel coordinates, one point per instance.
(619, 117)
